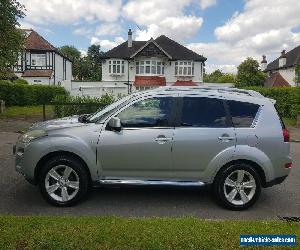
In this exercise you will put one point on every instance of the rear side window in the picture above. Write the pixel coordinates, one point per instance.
(242, 113)
(203, 112)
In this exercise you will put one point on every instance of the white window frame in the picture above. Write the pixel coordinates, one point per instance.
(116, 67)
(150, 67)
(184, 68)
(38, 60)
(142, 88)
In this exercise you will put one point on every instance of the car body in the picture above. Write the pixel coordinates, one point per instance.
(189, 136)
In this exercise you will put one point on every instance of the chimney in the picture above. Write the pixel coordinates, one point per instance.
(264, 63)
(282, 59)
(129, 42)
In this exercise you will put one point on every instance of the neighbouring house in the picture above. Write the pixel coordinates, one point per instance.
(41, 62)
(150, 64)
(283, 71)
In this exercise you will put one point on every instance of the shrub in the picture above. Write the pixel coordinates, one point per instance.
(80, 105)
(20, 81)
(287, 99)
(20, 94)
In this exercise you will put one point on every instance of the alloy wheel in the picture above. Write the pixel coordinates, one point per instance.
(239, 187)
(62, 183)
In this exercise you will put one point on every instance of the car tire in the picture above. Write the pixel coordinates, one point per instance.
(63, 181)
(237, 187)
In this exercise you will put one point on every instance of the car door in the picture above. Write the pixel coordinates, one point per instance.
(202, 132)
(143, 146)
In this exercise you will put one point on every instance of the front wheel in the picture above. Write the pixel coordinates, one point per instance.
(63, 181)
(237, 187)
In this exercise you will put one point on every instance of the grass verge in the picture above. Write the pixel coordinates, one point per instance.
(39, 232)
(26, 112)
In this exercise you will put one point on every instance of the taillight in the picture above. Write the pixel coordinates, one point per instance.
(286, 135)
(288, 165)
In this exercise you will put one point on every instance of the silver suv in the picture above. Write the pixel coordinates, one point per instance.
(228, 138)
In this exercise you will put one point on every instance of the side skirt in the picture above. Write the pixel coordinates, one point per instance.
(136, 182)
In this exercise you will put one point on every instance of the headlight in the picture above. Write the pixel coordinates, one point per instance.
(31, 135)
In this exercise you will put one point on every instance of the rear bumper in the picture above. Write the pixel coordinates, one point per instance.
(275, 181)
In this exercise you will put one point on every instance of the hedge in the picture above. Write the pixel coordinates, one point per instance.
(20, 94)
(69, 105)
(287, 99)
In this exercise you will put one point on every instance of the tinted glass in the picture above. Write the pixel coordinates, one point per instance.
(243, 113)
(203, 112)
(154, 112)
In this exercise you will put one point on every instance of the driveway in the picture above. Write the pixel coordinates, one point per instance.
(20, 198)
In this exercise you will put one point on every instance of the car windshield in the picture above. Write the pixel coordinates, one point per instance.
(102, 114)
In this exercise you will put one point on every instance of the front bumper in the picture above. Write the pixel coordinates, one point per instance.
(24, 164)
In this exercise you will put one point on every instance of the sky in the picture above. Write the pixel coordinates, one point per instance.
(224, 31)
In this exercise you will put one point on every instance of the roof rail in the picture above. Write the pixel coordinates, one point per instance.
(210, 89)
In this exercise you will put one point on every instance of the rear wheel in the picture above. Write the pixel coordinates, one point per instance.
(63, 181)
(238, 186)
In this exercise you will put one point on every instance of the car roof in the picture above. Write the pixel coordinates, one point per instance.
(229, 93)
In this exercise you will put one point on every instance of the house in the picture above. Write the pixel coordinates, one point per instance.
(41, 62)
(153, 63)
(283, 71)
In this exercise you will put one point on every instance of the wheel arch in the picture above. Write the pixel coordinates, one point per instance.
(50, 155)
(253, 164)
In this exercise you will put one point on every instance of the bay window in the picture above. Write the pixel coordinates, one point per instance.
(150, 67)
(38, 59)
(184, 68)
(116, 67)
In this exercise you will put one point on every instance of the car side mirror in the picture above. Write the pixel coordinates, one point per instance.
(115, 124)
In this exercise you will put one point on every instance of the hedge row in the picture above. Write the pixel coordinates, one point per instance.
(18, 94)
(69, 105)
(287, 99)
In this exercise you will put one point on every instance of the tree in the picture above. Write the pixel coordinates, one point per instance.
(71, 52)
(249, 74)
(12, 39)
(219, 77)
(84, 67)
(94, 56)
(75, 56)
(227, 78)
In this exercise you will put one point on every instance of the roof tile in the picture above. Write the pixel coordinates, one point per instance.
(174, 49)
(292, 58)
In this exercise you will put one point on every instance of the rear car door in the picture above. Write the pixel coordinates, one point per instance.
(244, 117)
(203, 131)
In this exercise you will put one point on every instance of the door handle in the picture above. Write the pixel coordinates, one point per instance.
(226, 138)
(162, 139)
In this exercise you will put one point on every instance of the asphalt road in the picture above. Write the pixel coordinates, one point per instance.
(20, 198)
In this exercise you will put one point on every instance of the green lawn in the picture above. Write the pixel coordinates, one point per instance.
(26, 111)
(131, 233)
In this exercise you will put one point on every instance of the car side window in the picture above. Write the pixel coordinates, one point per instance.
(154, 112)
(242, 113)
(203, 112)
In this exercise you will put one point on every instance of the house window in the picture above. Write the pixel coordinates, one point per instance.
(150, 67)
(116, 67)
(184, 68)
(38, 59)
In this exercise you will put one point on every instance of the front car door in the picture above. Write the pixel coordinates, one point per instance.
(203, 131)
(142, 149)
